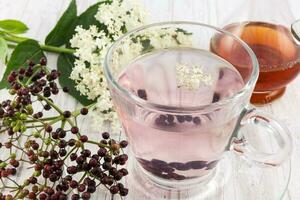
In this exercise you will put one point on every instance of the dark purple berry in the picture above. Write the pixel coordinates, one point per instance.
(48, 128)
(93, 162)
(62, 152)
(80, 160)
(84, 111)
(62, 134)
(106, 165)
(216, 97)
(53, 177)
(71, 142)
(86, 153)
(180, 118)
(123, 192)
(123, 171)
(221, 74)
(43, 61)
(142, 94)
(47, 107)
(197, 164)
(81, 188)
(72, 170)
(86, 195)
(123, 144)
(180, 166)
(75, 197)
(67, 114)
(105, 135)
(74, 130)
(102, 152)
(66, 89)
(170, 118)
(31, 63)
(73, 184)
(107, 158)
(211, 164)
(197, 120)
(188, 118)
(83, 138)
(73, 156)
(114, 189)
(22, 70)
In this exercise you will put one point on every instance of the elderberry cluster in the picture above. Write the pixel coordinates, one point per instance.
(64, 163)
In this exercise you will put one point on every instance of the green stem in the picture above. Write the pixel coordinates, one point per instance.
(97, 143)
(33, 75)
(77, 112)
(35, 126)
(49, 48)
(69, 153)
(42, 119)
(54, 49)
(56, 108)
(2, 131)
(50, 103)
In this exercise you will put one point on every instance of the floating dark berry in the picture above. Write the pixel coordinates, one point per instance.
(196, 164)
(142, 94)
(180, 118)
(188, 118)
(221, 74)
(216, 97)
(197, 120)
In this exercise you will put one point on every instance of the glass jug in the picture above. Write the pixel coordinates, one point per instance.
(265, 26)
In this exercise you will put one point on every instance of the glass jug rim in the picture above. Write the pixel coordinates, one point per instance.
(174, 109)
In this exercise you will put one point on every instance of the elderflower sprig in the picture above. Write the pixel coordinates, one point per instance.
(117, 17)
(91, 45)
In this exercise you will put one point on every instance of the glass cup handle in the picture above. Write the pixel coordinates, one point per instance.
(242, 146)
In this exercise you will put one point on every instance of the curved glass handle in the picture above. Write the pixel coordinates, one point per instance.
(249, 125)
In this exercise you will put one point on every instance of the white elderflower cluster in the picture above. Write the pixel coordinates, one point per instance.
(120, 16)
(168, 37)
(191, 77)
(91, 45)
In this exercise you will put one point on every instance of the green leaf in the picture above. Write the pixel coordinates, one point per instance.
(63, 30)
(27, 50)
(13, 26)
(87, 18)
(3, 50)
(65, 65)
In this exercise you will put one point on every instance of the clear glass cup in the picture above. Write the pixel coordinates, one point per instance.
(182, 153)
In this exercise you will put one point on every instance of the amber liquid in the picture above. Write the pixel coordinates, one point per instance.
(277, 53)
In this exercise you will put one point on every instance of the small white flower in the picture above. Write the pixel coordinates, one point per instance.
(190, 77)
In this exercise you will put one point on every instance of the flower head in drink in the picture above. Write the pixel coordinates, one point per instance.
(191, 77)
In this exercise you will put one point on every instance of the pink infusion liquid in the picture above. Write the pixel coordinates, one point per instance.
(178, 146)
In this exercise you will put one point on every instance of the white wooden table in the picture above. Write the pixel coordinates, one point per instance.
(41, 16)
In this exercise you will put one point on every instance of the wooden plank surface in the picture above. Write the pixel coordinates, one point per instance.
(41, 16)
